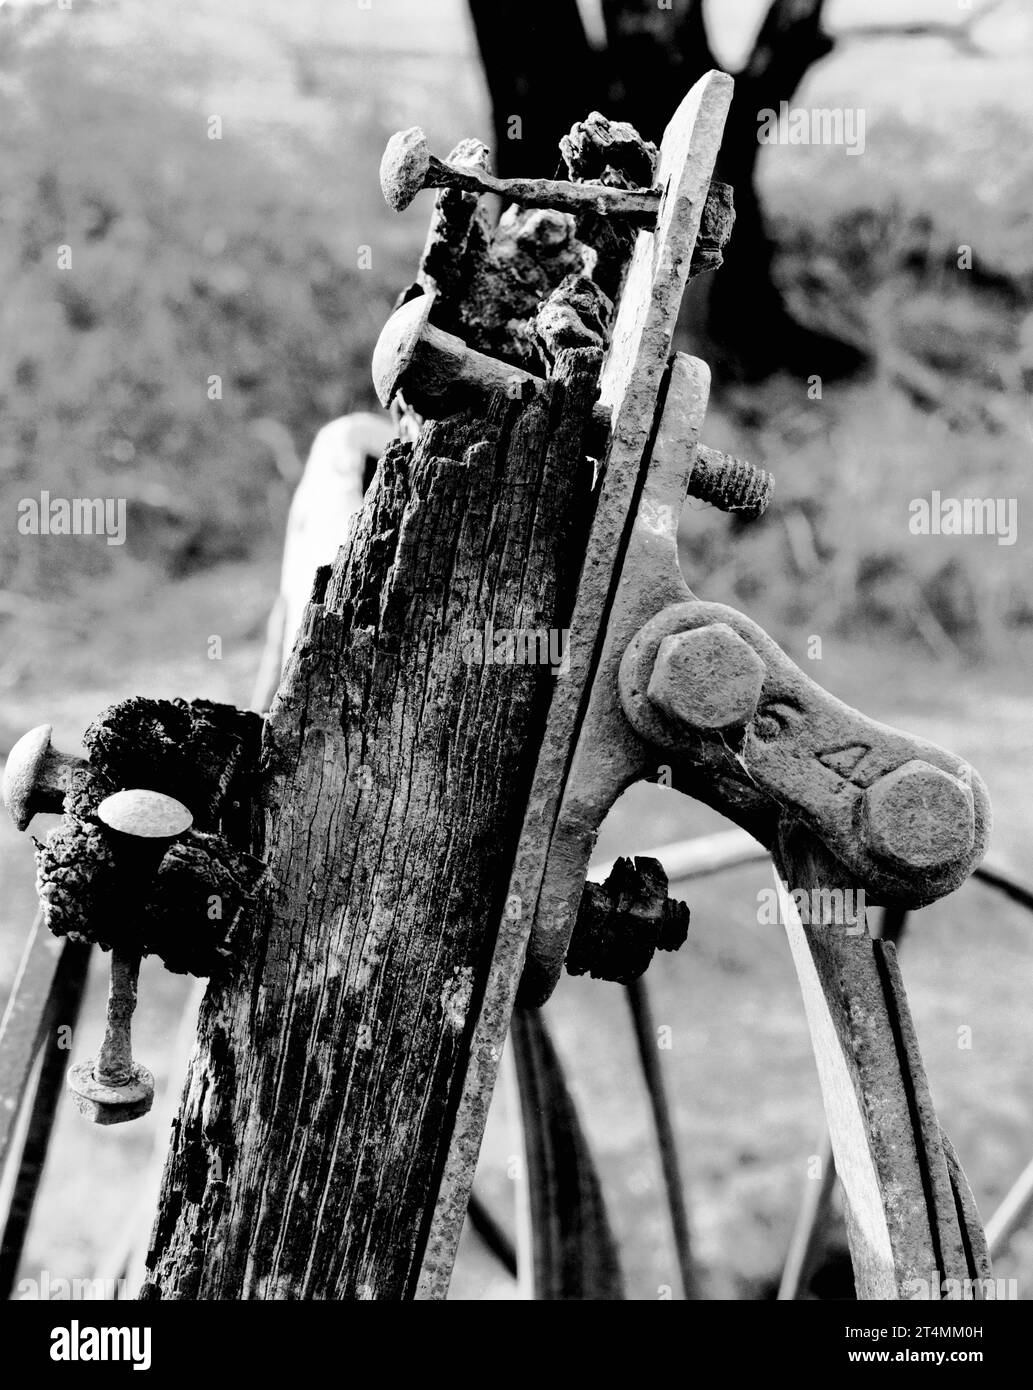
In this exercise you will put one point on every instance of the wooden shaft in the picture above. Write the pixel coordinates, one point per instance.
(391, 830)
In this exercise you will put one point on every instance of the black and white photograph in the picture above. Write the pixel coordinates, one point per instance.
(516, 675)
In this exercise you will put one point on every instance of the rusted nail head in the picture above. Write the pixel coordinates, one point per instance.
(396, 345)
(145, 814)
(404, 167)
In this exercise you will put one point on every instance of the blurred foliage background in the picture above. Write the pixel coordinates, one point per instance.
(240, 258)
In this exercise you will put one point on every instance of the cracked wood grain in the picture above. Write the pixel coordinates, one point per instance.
(394, 776)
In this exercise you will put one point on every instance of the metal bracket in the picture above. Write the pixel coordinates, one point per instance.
(656, 675)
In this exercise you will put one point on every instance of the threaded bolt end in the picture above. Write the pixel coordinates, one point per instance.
(731, 484)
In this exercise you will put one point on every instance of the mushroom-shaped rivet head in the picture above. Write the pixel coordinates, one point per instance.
(404, 167)
(22, 773)
(145, 814)
(398, 341)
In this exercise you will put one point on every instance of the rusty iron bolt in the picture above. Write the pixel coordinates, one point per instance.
(707, 679)
(435, 371)
(112, 1088)
(408, 166)
(919, 817)
(730, 484)
(621, 923)
(36, 776)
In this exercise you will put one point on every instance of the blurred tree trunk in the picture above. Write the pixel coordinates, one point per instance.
(543, 75)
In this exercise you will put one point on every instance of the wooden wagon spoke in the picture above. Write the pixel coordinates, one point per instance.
(699, 857)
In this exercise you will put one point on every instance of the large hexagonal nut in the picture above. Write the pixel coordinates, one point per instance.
(707, 679)
(919, 817)
(104, 1104)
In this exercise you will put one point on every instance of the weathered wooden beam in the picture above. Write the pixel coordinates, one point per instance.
(566, 1197)
(319, 1103)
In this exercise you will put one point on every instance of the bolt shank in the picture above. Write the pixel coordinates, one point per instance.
(114, 1065)
(638, 206)
(445, 372)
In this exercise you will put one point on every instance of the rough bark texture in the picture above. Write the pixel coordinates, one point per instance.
(394, 778)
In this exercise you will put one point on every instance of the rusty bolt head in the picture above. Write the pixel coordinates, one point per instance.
(110, 1105)
(707, 678)
(919, 817)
